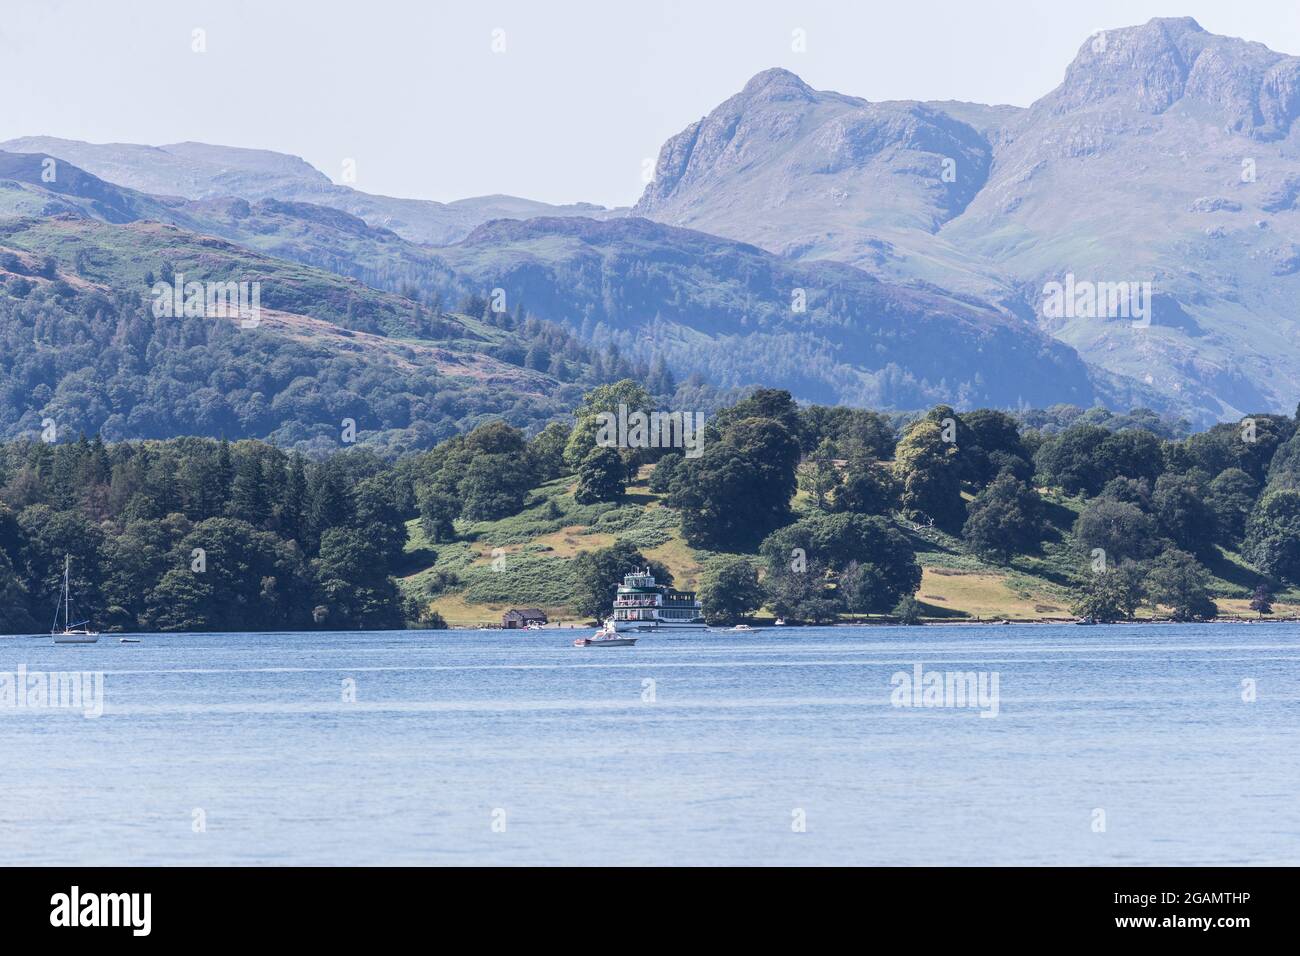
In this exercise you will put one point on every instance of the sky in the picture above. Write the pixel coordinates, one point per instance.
(562, 100)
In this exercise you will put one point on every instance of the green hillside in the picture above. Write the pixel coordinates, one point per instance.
(459, 581)
(82, 345)
(537, 546)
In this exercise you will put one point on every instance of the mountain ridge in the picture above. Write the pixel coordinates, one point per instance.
(730, 310)
(1131, 170)
(200, 171)
(712, 306)
(1166, 155)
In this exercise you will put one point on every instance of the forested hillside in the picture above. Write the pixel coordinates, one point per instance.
(83, 348)
(819, 513)
(813, 513)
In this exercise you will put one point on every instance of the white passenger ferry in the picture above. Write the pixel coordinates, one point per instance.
(643, 605)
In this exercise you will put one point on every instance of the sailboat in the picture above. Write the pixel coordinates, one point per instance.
(71, 633)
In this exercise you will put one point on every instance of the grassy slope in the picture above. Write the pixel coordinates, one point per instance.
(536, 546)
(532, 552)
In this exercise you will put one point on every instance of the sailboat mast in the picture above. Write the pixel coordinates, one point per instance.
(67, 599)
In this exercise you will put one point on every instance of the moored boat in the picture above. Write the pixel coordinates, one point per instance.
(72, 633)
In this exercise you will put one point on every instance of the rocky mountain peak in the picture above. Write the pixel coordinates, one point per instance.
(776, 84)
(789, 147)
(1240, 85)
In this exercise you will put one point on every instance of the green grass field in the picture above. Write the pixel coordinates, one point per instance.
(525, 561)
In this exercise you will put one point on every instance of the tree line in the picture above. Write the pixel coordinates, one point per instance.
(811, 511)
(198, 535)
(1156, 506)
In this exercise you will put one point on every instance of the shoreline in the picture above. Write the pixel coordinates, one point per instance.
(107, 638)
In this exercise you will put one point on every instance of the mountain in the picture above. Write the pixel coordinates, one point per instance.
(820, 175)
(319, 236)
(35, 184)
(726, 309)
(202, 171)
(1167, 155)
(723, 309)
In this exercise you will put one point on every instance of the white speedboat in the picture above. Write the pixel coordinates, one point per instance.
(72, 633)
(780, 622)
(607, 636)
(742, 627)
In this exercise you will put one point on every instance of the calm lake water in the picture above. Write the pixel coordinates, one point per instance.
(777, 747)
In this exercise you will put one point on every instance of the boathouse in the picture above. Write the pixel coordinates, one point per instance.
(522, 617)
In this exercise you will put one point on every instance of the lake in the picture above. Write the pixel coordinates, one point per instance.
(1155, 744)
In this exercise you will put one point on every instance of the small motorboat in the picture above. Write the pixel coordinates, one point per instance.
(742, 627)
(1086, 621)
(607, 636)
(780, 622)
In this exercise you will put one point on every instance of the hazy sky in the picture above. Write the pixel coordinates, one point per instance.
(583, 93)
